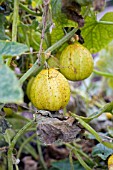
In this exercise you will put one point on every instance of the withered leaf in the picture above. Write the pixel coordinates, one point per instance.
(72, 11)
(53, 130)
(98, 5)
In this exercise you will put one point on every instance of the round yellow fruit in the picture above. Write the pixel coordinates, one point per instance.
(53, 62)
(50, 90)
(110, 162)
(76, 62)
(30, 82)
(109, 115)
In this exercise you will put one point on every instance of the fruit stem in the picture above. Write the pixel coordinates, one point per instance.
(13, 142)
(35, 67)
(103, 73)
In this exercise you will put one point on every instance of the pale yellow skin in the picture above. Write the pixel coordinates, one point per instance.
(76, 62)
(50, 90)
(110, 162)
(30, 82)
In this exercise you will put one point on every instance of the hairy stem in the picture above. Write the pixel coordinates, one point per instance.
(93, 132)
(24, 143)
(73, 149)
(35, 67)
(41, 156)
(29, 11)
(11, 147)
(103, 73)
(14, 26)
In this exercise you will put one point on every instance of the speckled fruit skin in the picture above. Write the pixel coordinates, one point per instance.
(50, 90)
(76, 62)
(30, 82)
(110, 162)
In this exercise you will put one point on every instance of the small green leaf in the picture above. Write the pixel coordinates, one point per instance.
(10, 90)
(9, 134)
(65, 165)
(101, 151)
(12, 48)
(97, 35)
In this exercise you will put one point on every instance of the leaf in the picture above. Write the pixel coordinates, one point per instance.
(97, 35)
(10, 90)
(57, 33)
(65, 165)
(36, 3)
(4, 125)
(60, 17)
(9, 134)
(2, 30)
(60, 20)
(12, 48)
(101, 151)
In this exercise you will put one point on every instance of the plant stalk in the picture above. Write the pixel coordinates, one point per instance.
(109, 75)
(35, 67)
(11, 147)
(14, 26)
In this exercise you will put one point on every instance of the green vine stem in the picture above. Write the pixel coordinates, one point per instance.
(13, 142)
(107, 108)
(103, 73)
(24, 143)
(35, 67)
(42, 162)
(93, 132)
(29, 11)
(78, 156)
(85, 155)
(71, 160)
(14, 26)
(15, 20)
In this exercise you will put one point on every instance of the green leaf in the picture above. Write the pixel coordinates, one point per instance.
(65, 165)
(101, 151)
(36, 3)
(60, 17)
(2, 30)
(12, 48)
(9, 134)
(97, 35)
(60, 20)
(10, 90)
(57, 34)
